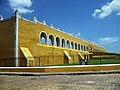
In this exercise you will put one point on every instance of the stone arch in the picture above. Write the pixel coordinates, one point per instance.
(68, 44)
(75, 46)
(57, 41)
(51, 39)
(86, 48)
(82, 47)
(78, 46)
(63, 42)
(43, 37)
(72, 45)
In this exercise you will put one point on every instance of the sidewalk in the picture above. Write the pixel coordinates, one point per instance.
(107, 80)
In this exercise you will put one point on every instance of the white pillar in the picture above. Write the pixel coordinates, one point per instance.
(47, 39)
(16, 39)
(55, 42)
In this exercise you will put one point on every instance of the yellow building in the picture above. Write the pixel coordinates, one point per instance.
(33, 43)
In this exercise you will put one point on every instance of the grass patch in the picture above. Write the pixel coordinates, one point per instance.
(103, 61)
(93, 62)
(75, 63)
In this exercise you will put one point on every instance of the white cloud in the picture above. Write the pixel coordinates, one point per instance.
(108, 40)
(107, 9)
(21, 5)
(78, 35)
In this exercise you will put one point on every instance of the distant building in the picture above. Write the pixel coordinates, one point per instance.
(30, 43)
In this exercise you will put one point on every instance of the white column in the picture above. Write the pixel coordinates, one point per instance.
(47, 39)
(54, 41)
(16, 39)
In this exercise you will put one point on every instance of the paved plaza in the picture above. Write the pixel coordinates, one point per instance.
(61, 82)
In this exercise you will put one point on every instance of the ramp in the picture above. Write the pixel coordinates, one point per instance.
(27, 55)
(81, 55)
(68, 56)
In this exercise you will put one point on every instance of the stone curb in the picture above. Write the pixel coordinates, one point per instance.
(59, 73)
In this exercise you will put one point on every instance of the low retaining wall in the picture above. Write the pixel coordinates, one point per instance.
(61, 68)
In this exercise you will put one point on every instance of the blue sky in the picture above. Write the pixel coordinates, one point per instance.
(95, 20)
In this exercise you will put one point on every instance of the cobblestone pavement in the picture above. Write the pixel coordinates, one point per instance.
(61, 82)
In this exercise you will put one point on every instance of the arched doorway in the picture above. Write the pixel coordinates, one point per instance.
(68, 44)
(43, 38)
(51, 40)
(57, 41)
(63, 42)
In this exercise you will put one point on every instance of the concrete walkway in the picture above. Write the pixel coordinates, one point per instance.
(61, 81)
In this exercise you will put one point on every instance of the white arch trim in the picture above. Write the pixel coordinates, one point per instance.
(61, 42)
(73, 44)
(59, 39)
(40, 35)
(53, 38)
(69, 43)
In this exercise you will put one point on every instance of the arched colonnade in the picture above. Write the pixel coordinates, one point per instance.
(56, 41)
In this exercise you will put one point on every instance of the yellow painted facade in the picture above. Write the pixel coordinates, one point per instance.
(7, 42)
(29, 36)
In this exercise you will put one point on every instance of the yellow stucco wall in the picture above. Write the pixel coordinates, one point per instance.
(7, 42)
(29, 37)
